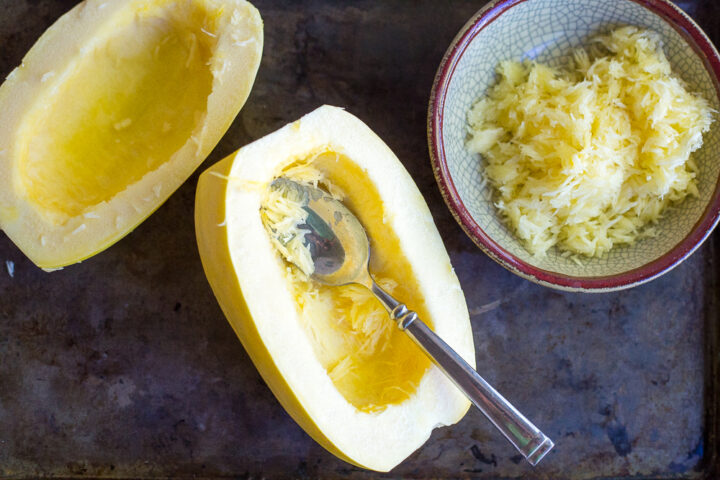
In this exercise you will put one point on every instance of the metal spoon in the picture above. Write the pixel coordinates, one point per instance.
(340, 252)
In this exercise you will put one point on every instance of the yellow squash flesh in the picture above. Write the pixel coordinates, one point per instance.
(369, 399)
(111, 110)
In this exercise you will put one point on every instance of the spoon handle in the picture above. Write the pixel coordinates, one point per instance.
(525, 437)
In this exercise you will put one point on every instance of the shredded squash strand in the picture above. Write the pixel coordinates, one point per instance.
(589, 158)
(348, 327)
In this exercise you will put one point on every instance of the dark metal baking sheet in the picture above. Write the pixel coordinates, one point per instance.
(123, 366)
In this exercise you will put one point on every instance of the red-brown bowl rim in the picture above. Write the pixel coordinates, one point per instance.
(695, 37)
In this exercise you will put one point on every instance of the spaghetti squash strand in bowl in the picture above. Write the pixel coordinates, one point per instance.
(589, 157)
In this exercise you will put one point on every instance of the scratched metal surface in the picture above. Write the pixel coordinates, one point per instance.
(123, 366)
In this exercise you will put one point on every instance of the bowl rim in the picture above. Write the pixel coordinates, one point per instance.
(702, 46)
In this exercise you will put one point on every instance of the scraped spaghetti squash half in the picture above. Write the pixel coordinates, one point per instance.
(112, 109)
(334, 359)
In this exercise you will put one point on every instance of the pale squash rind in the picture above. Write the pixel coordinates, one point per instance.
(241, 266)
(234, 65)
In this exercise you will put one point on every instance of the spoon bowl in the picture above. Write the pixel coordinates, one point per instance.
(338, 244)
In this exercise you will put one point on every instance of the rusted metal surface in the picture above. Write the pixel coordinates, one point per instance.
(124, 366)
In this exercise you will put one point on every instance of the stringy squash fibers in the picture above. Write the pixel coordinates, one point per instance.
(362, 342)
(588, 158)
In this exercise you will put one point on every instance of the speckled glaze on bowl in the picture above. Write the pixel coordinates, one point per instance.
(547, 30)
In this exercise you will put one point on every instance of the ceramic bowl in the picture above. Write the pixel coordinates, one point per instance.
(546, 31)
